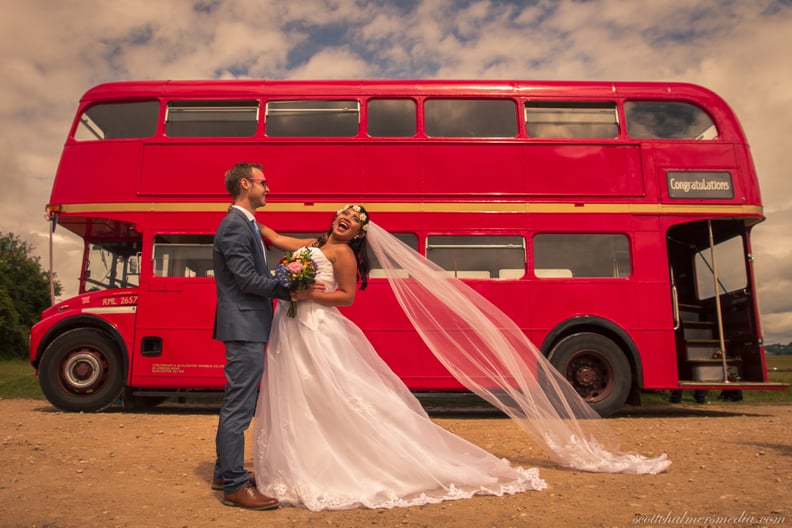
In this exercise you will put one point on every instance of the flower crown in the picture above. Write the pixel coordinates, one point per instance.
(363, 216)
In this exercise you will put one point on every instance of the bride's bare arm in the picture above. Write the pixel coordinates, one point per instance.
(282, 242)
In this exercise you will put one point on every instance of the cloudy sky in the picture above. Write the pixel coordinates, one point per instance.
(51, 52)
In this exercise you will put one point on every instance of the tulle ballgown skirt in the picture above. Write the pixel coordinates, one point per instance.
(336, 429)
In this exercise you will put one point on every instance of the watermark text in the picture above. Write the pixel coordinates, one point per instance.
(686, 518)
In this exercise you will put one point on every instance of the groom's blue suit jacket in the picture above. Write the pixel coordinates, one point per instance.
(245, 288)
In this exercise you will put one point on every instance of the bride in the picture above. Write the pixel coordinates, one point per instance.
(336, 429)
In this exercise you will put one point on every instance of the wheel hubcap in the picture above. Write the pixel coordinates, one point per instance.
(591, 376)
(82, 370)
(586, 376)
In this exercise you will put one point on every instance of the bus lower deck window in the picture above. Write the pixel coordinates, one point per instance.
(478, 256)
(581, 255)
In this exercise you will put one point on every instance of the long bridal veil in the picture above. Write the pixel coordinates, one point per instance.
(489, 354)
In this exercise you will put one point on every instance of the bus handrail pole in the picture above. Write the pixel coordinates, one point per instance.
(53, 220)
(718, 303)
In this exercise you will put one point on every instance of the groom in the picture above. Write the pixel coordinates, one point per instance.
(243, 316)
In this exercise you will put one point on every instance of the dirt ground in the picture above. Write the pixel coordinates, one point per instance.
(732, 466)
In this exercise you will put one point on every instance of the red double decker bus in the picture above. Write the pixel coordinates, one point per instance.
(611, 221)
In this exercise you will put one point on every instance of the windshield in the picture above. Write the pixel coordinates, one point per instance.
(111, 265)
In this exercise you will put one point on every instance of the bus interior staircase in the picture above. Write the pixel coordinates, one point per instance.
(702, 358)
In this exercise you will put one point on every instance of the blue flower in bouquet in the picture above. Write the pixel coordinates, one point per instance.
(296, 271)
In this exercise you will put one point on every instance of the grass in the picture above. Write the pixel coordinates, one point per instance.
(18, 380)
(779, 369)
(780, 362)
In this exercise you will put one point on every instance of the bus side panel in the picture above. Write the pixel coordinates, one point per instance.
(379, 315)
(173, 340)
(187, 169)
(706, 156)
(623, 306)
(583, 170)
(471, 168)
(654, 335)
(439, 169)
(387, 169)
(102, 164)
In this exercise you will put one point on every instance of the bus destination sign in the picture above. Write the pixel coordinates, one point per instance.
(701, 185)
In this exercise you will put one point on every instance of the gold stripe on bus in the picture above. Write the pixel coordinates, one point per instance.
(424, 207)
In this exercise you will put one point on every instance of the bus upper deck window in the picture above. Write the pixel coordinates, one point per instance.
(391, 118)
(487, 118)
(211, 118)
(668, 120)
(313, 118)
(550, 119)
(118, 121)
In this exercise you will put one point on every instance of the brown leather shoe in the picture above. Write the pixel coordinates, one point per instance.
(249, 497)
(217, 484)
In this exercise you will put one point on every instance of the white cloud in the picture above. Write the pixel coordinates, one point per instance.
(333, 63)
(51, 52)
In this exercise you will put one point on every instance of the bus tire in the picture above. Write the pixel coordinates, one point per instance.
(596, 367)
(81, 371)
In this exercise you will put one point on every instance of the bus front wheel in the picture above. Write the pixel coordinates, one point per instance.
(597, 369)
(81, 370)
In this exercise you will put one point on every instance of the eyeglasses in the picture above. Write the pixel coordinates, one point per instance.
(262, 181)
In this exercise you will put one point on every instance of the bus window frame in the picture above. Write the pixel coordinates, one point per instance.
(568, 272)
(357, 111)
(181, 240)
(612, 106)
(185, 107)
(469, 245)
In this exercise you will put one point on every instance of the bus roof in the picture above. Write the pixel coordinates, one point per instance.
(372, 87)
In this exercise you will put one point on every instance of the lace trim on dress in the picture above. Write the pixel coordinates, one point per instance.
(319, 500)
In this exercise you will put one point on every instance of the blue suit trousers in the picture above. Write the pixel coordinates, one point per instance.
(243, 371)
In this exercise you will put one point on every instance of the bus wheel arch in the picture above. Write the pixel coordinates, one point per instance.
(598, 365)
(82, 370)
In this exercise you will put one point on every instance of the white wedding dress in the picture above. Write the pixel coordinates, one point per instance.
(336, 429)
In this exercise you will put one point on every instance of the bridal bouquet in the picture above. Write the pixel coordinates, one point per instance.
(296, 271)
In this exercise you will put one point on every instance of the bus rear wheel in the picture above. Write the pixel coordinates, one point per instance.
(597, 369)
(81, 370)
